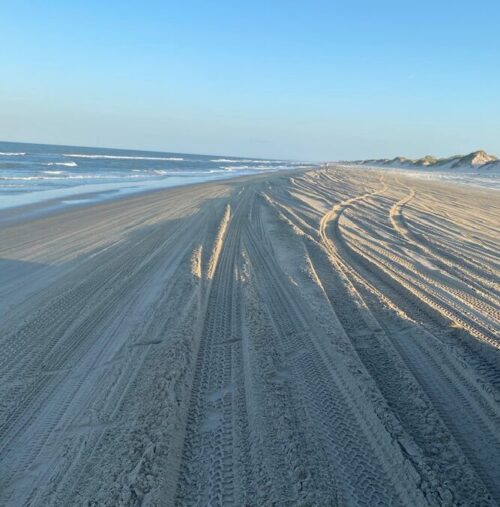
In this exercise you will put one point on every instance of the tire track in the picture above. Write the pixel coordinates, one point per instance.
(326, 395)
(215, 468)
(438, 381)
(458, 269)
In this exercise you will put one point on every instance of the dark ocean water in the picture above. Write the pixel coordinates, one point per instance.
(32, 173)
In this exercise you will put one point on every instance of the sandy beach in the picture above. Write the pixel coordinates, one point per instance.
(322, 337)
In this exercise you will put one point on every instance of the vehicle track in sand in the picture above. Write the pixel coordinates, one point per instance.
(455, 398)
(290, 339)
(457, 268)
(28, 428)
(341, 427)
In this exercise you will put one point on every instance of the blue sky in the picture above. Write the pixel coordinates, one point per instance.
(311, 80)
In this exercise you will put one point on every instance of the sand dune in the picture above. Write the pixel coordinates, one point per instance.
(327, 337)
(477, 160)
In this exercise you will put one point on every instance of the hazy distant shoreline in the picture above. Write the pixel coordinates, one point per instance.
(480, 179)
(478, 168)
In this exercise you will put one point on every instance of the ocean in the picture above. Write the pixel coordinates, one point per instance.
(32, 173)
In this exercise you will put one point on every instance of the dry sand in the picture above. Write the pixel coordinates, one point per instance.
(319, 338)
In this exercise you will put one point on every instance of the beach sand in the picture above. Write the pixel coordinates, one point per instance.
(325, 337)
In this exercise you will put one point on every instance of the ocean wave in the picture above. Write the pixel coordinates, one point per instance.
(166, 172)
(34, 178)
(244, 167)
(268, 161)
(59, 175)
(258, 167)
(23, 178)
(67, 164)
(122, 157)
(245, 161)
(7, 154)
(50, 175)
(163, 172)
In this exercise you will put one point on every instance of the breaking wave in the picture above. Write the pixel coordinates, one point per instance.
(67, 164)
(162, 172)
(7, 154)
(121, 157)
(245, 161)
(59, 175)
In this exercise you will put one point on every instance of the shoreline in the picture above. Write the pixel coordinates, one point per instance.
(48, 206)
(15, 214)
(38, 173)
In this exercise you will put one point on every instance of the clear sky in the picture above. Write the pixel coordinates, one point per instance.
(308, 79)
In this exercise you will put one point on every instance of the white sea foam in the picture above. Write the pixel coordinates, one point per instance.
(67, 164)
(77, 201)
(235, 167)
(162, 172)
(267, 161)
(58, 175)
(245, 161)
(261, 167)
(248, 167)
(23, 178)
(32, 178)
(7, 154)
(122, 157)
